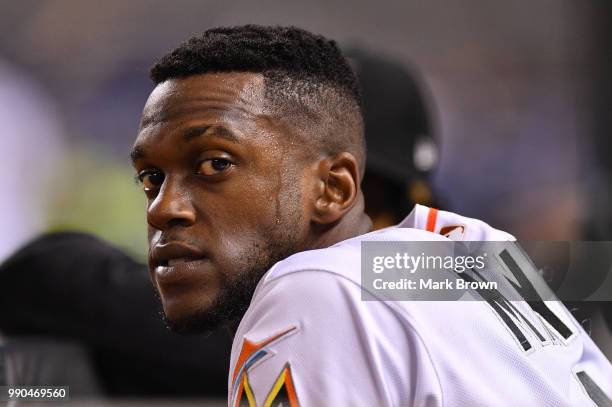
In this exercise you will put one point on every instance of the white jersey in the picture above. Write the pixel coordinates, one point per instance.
(308, 339)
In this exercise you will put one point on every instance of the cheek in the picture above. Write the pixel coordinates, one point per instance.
(242, 203)
(236, 219)
(298, 195)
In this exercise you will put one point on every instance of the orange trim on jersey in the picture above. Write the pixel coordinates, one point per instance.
(239, 392)
(293, 401)
(432, 216)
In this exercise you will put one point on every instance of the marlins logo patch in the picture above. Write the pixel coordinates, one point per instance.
(282, 392)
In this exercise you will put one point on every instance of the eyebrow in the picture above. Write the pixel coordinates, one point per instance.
(216, 130)
(192, 133)
(136, 154)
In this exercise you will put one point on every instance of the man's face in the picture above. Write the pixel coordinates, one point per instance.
(224, 194)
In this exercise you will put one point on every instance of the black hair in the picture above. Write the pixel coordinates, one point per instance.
(306, 76)
(252, 48)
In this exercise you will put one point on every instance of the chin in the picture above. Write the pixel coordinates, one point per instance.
(191, 313)
(194, 321)
(191, 308)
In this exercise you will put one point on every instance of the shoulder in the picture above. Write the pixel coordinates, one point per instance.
(422, 224)
(342, 260)
(452, 225)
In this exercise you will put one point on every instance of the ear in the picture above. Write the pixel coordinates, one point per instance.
(337, 188)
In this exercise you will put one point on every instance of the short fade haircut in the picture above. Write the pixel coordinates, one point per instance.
(308, 81)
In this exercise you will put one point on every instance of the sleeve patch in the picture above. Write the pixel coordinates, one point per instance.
(282, 393)
(250, 353)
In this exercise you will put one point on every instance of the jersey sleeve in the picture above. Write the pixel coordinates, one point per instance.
(309, 340)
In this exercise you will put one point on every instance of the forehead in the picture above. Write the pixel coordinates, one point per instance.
(236, 94)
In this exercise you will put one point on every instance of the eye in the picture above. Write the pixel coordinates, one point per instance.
(214, 166)
(151, 179)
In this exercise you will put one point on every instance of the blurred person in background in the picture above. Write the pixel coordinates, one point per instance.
(75, 288)
(402, 147)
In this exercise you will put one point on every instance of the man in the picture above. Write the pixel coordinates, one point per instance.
(251, 153)
(121, 342)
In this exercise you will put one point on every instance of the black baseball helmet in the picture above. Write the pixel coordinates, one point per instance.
(402, 148)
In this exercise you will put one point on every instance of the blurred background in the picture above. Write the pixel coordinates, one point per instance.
(515, 101)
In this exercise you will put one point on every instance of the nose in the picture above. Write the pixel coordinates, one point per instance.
(171, 207)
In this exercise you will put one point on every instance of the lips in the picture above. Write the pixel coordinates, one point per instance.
(176, 262)
(173, 252)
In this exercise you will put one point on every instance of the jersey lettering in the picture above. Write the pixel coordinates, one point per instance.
(511, 316)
